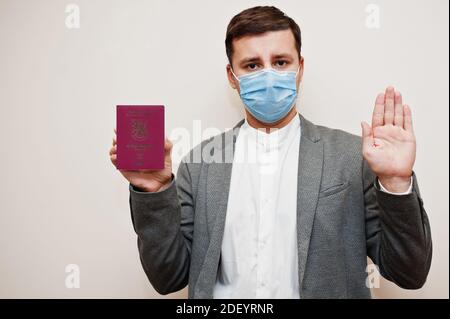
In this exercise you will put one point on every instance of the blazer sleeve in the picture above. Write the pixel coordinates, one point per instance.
(398, 235)
(163, 222)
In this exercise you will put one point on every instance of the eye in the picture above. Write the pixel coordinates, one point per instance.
(281, 63)
(252, 66)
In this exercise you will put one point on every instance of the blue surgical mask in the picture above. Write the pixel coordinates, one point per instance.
(268, 94)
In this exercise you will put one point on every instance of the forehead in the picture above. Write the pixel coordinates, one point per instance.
(265, 45)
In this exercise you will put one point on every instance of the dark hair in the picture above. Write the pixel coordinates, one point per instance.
(258, 20)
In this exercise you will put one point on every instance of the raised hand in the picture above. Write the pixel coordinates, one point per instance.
(389, 145)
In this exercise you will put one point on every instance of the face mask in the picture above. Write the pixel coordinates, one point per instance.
(268, 94)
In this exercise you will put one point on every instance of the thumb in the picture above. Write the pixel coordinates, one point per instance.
(367, 136)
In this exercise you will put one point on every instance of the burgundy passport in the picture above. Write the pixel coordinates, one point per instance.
(140, 137)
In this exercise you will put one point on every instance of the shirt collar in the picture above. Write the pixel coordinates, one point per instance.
(277, 137)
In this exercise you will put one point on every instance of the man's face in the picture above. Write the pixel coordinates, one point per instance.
(275, 49)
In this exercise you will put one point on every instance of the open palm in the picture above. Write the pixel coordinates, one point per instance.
(389, 145)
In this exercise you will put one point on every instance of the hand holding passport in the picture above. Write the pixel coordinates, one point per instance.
(140, 151)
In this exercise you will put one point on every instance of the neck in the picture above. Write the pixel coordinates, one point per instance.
(253, 122)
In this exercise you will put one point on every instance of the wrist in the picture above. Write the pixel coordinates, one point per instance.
(162, 185)
(395, 184)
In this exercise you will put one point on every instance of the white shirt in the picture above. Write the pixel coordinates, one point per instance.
(259, 246)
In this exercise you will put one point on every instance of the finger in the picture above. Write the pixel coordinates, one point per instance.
(389, 106)
(367, 135)
(407, 119)
(115, 131)
(113, 150)
(168, 145)
(398, 109)
(378, 111)
(114, 141)
(113, 159)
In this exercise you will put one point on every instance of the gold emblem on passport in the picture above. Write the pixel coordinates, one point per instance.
(139, 131)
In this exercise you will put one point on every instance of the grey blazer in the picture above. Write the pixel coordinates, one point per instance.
(342, 217)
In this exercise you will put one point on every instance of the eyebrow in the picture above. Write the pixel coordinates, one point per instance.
(282, 55)
(250, 59)
(256, 59)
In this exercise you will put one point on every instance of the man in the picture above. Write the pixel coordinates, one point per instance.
(300, 221)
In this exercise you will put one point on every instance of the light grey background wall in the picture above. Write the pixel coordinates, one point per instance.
(63, 203)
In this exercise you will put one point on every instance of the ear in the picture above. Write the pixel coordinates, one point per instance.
(231, 79)
(300, 72)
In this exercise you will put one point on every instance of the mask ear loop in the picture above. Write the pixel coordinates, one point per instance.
(231, 69)
(298, 70)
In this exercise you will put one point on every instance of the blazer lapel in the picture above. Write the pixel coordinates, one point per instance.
(310, 165)
(217, 187)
